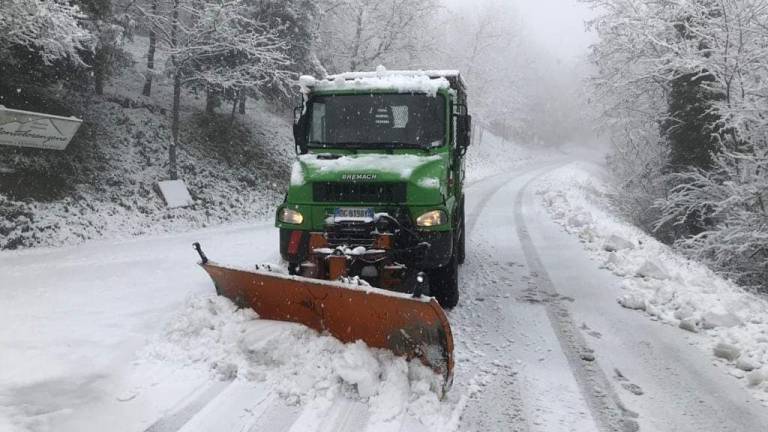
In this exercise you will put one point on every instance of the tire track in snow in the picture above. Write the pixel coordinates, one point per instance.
(607, 409)
(493, 401)
(503, 180)
(177, 419)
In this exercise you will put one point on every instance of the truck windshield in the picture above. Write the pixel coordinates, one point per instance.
(377, 121)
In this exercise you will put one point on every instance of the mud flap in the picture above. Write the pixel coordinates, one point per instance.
(407, 326)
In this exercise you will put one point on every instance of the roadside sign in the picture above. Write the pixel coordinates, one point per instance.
(175, 193)
(37, 130)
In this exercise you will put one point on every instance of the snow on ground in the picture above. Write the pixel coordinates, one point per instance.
(115, 335)
(491, 155)
(132, 330)
(211, 334)
(732, 323)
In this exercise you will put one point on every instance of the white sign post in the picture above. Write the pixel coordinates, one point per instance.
(29, 129)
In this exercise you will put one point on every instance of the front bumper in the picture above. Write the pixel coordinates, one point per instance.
(294, 247)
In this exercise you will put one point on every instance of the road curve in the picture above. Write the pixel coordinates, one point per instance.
(541, 344)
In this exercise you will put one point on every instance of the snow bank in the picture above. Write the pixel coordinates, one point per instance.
(212, 335)
(733, 323)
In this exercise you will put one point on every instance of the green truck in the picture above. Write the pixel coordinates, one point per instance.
(381, 152)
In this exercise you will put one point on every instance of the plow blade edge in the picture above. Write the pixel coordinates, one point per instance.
(409, 327)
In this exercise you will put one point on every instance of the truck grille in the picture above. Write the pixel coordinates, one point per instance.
(326, 192)
(351, 234)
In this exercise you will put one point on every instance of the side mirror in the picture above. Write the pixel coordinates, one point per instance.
(463, 131)
(300, 130)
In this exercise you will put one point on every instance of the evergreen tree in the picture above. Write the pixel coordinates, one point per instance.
(689, 127)
(41, 42)
(110, 26)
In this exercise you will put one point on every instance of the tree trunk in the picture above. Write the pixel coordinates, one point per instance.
(242, 102)
(150, 57)
(353, 61)
(176, 98)
(234, 108)
(100, 66)
(210, 101)
(103, 55)
(172, 168)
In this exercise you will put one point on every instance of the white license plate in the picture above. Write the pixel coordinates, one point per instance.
(353, 214)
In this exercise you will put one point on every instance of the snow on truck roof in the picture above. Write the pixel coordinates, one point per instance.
(429, 81)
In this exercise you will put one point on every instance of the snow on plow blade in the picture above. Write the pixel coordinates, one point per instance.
(407, 326)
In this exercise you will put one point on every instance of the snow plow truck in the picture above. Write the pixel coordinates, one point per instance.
(372, 225)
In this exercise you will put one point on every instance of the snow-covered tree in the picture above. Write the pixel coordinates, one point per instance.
(296, 24)
(152, 8)
(361, 34)
(730, 203)
(293, 22)
(47, 27)
(216, 44)
(110, 23)
(484, 42)
(647, 53)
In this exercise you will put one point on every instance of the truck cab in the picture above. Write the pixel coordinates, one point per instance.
(381, 150)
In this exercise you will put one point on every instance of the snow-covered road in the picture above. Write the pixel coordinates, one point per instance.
(125, 336)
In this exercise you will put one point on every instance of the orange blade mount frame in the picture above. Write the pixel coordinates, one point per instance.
(414, 328)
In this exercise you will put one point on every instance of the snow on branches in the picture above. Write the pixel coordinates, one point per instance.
(730, 203)
(360, 34)
(644, 50)
(47, 26)
(219, 45)
(222, 44)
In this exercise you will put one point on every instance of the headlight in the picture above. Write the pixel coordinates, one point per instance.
(432, 218)
(291, 217)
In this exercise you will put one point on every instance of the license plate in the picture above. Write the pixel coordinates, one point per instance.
(353, 214)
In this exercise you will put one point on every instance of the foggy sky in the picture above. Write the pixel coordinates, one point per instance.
(554, 25)
(558, 25)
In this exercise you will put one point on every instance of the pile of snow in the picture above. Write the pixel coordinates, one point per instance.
(398, 81)
(211, 334)
(672, 289)
(383, 71)
(401, 164)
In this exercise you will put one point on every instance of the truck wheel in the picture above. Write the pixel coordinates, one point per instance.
(444, 283)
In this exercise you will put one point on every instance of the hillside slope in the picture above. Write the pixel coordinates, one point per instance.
(103, 184)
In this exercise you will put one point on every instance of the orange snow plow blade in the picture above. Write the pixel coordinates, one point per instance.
(407, 326)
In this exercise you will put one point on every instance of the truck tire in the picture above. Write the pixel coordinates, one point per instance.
(444, 283)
